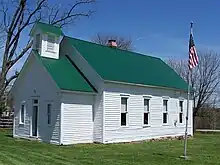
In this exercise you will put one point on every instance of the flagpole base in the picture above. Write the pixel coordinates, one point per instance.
(185, 157)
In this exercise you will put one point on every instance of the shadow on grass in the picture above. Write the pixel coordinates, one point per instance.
(6, 132)
(165, 155)
(9, 135)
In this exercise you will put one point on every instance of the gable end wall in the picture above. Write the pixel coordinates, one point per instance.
(35, 83)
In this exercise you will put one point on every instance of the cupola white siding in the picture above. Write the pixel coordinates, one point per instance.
(50, 45)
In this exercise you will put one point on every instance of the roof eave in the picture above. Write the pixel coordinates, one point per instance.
(78, 92)
(142, 85)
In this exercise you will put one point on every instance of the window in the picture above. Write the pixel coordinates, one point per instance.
(181, 111)
(49, 114)
(22, 113)
(37, 44)
(50, 43)
(165, 112)
(35, 101)
(124, 111)
(146, 111)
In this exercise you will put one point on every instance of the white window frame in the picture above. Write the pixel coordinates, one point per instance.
(146, 111)
(51, 44)
(20, 120)
(181, 110)
(51, 107)
(165, 111)
(126, 111)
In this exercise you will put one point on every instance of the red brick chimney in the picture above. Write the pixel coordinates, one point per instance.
(112, 43)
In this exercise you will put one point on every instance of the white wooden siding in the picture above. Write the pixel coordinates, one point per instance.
(98, 118)
(135, 130)
(34, 82)
(77, 120)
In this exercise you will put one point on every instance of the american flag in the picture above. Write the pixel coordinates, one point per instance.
(193, 58)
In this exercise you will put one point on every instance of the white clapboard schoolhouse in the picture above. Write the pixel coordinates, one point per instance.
(72, 91)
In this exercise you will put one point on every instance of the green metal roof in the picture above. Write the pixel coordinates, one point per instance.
(48, 28)
(123, 66)
(65, 74)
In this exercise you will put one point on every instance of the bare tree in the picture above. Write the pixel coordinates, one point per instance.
(17, 18)
(122, 42)
(204, 78)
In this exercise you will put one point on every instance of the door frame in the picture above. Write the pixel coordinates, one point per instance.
(31, 117)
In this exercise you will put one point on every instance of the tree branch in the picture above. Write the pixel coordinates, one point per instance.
(17, 16)
(4, 10)
(70, 15)
(21, 17)
(27, 21)
(9, 80)
(122, 42)
(12, 62)
(205, 77)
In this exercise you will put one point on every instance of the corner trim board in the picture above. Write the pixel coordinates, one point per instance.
(61, 123)
(103, 118)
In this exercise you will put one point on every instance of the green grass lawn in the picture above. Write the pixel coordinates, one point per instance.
(203, 149)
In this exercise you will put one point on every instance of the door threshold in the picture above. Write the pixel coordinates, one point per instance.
(33, 137)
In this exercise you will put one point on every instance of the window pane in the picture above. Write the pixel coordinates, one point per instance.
(146, 118)
(123, 100)
(181, 106)
(181, 117)
(123, 108)
(165, 105)
(123, 105)
(22, 113)
(48, 113)
(146, 105)
(35, 101)
(164, 117)
(123, 119)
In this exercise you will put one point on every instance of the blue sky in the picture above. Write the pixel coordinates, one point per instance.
(159, 28)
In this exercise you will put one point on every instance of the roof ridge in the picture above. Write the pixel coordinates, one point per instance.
(56, 26)
(127, 51)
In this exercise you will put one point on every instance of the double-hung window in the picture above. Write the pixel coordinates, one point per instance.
(49, 114)
(146, 111)
(22, 113)
(165, 111)
(124, 111)
(181, 111)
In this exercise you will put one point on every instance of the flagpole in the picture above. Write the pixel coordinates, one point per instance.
(187, 111)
